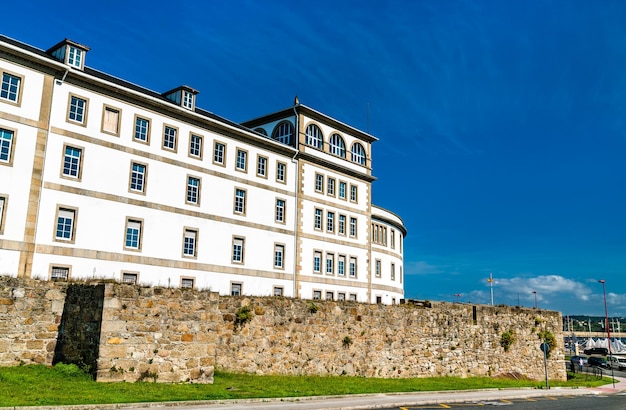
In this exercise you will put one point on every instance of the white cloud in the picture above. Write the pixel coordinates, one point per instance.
(546, 287)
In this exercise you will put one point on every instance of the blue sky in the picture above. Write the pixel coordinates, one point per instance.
(502, 124)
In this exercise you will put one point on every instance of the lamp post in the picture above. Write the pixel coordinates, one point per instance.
(608, 330)
(535, 292)
(490, 280)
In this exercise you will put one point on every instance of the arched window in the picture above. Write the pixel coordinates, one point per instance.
(314, 136)
(337, 146)
(261, 131)
(358, 153)
(283, 132)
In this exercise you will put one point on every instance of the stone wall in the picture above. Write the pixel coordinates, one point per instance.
(172, 335)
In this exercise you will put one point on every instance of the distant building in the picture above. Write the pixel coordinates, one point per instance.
(101, 178)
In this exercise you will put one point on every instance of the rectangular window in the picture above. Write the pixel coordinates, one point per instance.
(219, 153)
(317, 294)
(319, 183)
(74, 57)
(330, 263)
(78, 110)
(142, 129)
(330, 295)
(317, 224)
(392, 239)
(6, 146)
(10, 90)
(278, 291)
(261, 166)
(242, 160)
(240, 201)
(352, 267)
(3, 201)
(353, 297)
(342, 225)
(187, 283)
(330, 187)
(379, 300)
(169, 138)
(341, 296)
(133, 234)
(193, 190)
(330, 221)
(65, 229)
(393, 271)
(188, 100)
(401, 274)
(129, 278)
(138, 177)
(317, 261)
(59, 273)
(72, 160)
(353, 193)
(352, 226)
(279, 255)
(280, 210)
(378, 268)
(238, 244)
(281, 172)
(235, 289)
(342, 190)
(190, 240)
(111, 120)
(195, 146)
(341, 265)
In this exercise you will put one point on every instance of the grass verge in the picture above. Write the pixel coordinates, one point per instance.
(39, 385)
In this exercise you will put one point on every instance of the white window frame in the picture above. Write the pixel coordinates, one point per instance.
(7, 142)
(170, 138)
(142, 130)
(193, 191)
(238, 249)
(239, 203)
(65, 224)
(72, 164)
(138, 177)
(236, 289)
(77, 110)
(281, 172)
(280, 213)
(134, 227)
(196, 143)
(190, 242)
(261, 166)
(241, 160)
(10, 90)
(219, 153)
(279, 256)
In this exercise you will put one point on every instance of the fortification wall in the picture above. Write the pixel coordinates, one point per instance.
(171, 335)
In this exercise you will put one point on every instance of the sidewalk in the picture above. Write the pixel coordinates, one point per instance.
(360, 401)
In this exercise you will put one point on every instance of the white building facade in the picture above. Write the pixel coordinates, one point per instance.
(103, 179)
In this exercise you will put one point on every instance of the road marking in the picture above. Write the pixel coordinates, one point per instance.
(445, 406)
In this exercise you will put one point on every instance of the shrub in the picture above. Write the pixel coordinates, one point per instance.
(507, 339)
(243, 315)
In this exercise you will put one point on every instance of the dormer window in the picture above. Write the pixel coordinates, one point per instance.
(75, 57)
(70, 53)
(183, 96)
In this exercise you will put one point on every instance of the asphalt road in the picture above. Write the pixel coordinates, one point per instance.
(600, 402)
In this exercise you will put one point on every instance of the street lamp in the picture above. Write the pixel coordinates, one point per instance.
(535, 292)
(608, 330)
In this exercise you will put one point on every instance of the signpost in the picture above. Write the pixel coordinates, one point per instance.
(545, 348)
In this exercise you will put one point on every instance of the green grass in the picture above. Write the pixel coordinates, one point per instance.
(39, 385)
